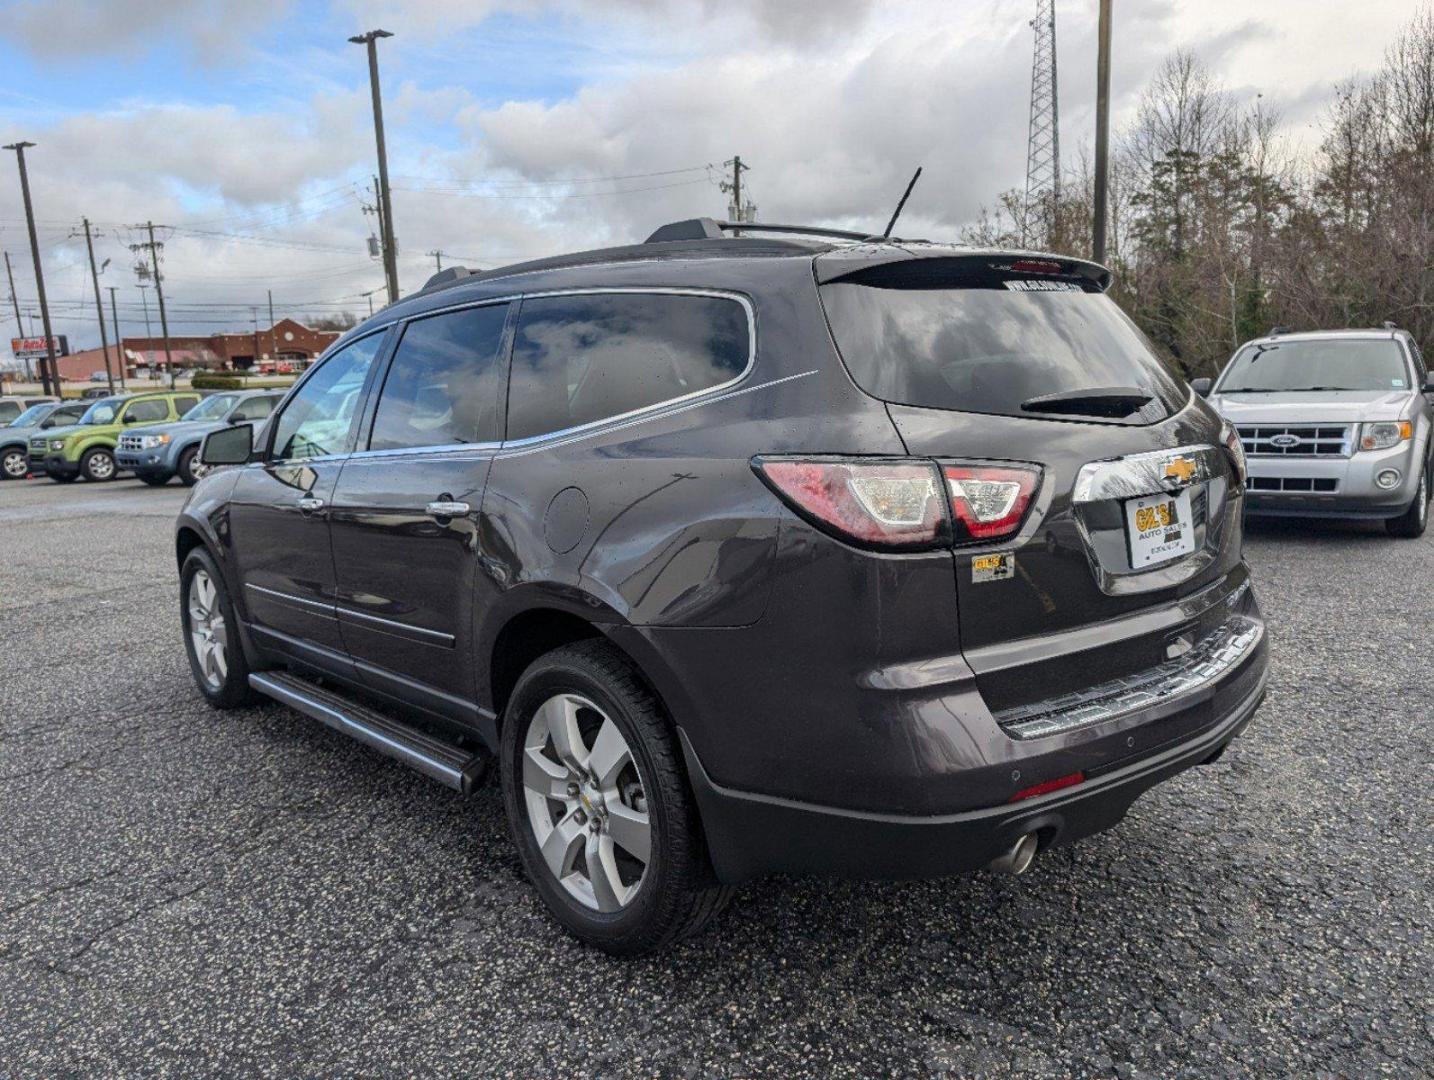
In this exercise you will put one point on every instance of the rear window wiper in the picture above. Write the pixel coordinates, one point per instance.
(1108, 401)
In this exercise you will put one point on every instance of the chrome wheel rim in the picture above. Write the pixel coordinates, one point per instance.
(16, 465)
(586, 802)
(207, 632)
(102, 466)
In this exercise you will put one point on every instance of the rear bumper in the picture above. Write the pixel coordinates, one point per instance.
(749, 835)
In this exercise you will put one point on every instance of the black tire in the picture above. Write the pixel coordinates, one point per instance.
(678, 894)
(186, 466)
(152, 480)
(14, 463)
(233, 690)
(1411, 524)
(98, 465)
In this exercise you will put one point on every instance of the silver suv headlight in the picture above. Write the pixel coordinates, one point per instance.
(149, 442)
(1383, 434)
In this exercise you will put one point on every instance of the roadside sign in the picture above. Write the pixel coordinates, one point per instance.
(28, 348)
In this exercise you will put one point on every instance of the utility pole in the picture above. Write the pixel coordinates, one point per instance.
(50, 372)
(1102, 132)
(738, 211)
(385, 201)
(273, 344)
(99, 306)
(153, 247)
(119, 346)
(144, 300)
(20, 326)
(437, 259)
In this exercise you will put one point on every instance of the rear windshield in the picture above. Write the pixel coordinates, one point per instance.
(994, 345)
(1314, 365)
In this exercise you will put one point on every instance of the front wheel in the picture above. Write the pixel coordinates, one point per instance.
(188, 466)
(14, 464)
(210, 634)
(1411, 524)
(98, 465)
(599, 804)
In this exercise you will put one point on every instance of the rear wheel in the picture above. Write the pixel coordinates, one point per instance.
(1412, 523)
(98, 465)
(599, 804)
(14, 464)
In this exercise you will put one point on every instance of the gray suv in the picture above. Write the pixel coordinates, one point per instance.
(158, 453)
(1334, 424)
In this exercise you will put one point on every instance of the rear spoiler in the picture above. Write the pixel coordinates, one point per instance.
(936, 261)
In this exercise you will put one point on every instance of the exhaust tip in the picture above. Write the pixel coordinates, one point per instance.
(1018, 857)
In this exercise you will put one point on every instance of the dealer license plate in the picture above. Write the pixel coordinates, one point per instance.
(1159, 528)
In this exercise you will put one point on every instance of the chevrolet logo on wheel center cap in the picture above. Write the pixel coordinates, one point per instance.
(1180, 469)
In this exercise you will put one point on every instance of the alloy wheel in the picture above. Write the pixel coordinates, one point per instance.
(16, 465)
(207, 630)
(102, 466)
(586, 802)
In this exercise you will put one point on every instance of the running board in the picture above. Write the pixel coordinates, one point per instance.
(453, 766)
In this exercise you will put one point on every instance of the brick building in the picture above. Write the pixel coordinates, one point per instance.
(286, 344)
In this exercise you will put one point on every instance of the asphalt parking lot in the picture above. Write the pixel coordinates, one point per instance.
(194, 894)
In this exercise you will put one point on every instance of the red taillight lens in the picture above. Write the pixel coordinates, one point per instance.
(989, 501)
(886, 504)
(1230, 436)
(1048, 786)
(1035, 266)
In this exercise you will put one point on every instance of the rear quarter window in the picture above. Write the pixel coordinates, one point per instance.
(582, 359)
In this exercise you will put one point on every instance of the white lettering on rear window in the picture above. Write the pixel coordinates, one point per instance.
(1043, 286)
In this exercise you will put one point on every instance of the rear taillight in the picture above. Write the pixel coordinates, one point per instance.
(1230, 436)
(896, 505)
(989, 502)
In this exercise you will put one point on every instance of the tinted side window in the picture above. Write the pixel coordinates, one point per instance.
(183, 404)
(144, 412)
(318, 420)
(442, 387)
(254, 408)
(577, 359)
(9, 410)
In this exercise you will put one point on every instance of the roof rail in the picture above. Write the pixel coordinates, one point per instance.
(1276, 331)
(711, 229)
(1390, 324)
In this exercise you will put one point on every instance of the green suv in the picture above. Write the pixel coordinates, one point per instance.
(87, 448)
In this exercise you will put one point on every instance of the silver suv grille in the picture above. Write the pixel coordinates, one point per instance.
(1302, 484)
(1303, 440)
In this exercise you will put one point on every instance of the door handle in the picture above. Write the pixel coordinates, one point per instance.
(443, 508)
(310, 504)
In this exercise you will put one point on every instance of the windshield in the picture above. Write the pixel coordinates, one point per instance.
(998, 346)
(212, 408)
(31, 416)
(1311, 365)
(101, 412)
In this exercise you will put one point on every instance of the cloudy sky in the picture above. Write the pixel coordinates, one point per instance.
(520, 128)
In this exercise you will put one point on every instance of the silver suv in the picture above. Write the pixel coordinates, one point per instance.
(1334, 424)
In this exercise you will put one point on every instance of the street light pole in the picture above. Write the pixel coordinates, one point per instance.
(119, 347)
(1102, 132)
(50, 371)
(99, 307)
(390, 255)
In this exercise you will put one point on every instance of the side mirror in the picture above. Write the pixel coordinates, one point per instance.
(228, 446)
(1200, 386)
(1429, 383)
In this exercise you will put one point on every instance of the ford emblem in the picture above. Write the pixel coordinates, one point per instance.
(1285, 441)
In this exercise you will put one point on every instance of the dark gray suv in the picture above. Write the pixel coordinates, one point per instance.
(794, 551)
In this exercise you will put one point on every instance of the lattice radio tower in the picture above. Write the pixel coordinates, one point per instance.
(1043, 151)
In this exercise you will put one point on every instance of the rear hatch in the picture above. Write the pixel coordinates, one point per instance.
(1130, 547)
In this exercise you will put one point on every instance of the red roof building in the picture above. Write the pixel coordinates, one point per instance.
(287, 344)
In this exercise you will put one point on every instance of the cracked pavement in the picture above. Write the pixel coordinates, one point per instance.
(188, 893)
